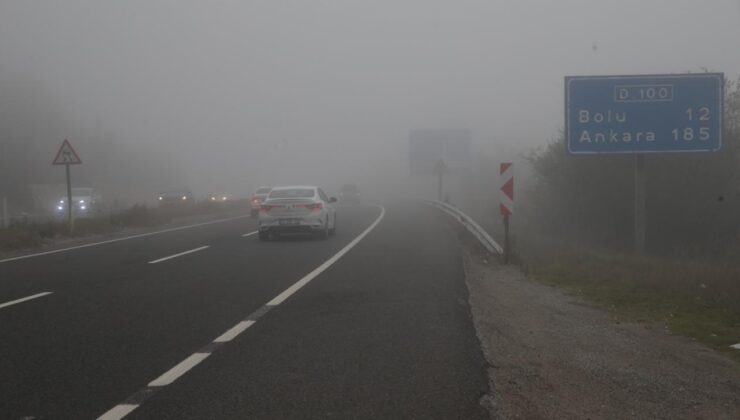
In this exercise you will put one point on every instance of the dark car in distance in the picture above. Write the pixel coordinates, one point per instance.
(349, 194)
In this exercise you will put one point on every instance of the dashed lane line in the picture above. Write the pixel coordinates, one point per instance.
(171, 375)
(118, 412)
(179, 254)
(249, 234)
(134, 401)
(233, 332)
(25, 299)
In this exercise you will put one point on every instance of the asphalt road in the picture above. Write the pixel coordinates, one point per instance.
(383, 331)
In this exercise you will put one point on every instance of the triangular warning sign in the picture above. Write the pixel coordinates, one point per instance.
(440, 168)
(66, 155)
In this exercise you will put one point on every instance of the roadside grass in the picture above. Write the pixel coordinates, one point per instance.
(18, 238)
(696, 299)
(31, 235)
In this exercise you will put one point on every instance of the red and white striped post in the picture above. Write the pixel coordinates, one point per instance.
(506, 203)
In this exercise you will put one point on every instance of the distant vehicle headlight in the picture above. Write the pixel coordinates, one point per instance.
(61, 201)
(83, 208)
(160, 198)
(223, 198)
(60, 208)
(184, 197)
(82, 201)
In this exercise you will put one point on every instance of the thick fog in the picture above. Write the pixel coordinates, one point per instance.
(234, 94)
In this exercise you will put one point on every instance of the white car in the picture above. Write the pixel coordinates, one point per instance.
(297, 209)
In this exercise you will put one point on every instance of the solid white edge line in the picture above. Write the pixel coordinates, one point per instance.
(141, 235)
(118, 412)
(249, 234)
(177, 371)
(318, 270)
(179, 254)
(13, 302)
(234, 331)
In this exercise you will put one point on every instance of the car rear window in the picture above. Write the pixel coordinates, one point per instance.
(293, 193)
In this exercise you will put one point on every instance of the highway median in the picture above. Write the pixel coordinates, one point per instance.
(23, 236)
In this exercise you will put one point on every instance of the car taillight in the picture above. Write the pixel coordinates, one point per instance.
(314, 206)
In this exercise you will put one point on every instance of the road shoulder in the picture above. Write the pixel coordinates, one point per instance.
(554, 356)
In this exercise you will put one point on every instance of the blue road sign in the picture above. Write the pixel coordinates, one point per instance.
(644, 114)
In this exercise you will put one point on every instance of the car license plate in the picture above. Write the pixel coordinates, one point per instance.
(289, 222)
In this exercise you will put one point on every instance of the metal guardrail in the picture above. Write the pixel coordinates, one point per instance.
(483, 237)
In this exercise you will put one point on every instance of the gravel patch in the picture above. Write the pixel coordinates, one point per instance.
(553, 356)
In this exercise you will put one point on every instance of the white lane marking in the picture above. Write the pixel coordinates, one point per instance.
(249, 234)
(141, 235)
(233, 332)
(194, 359)
(13, 302)
(118, 412)
(736, 346)
(179, 254)
(277, 300)
(180, 369)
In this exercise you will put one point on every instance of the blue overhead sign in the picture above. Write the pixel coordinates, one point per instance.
(644, 114)
(429, 146)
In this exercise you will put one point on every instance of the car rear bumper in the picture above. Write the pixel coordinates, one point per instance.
(291, 224)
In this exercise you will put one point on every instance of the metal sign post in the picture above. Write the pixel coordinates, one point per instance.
(440, 168)
(6, 216)
(70, 204)
(640, 207)
(506, 203)
(67, 156)
(643, 114)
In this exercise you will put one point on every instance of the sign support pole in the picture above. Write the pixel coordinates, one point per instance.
(439, 186)
(6, 216)
(506, 204)
(507, 242)
(640, 213)
(439, 169)
(67, 156)
(70, 204)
